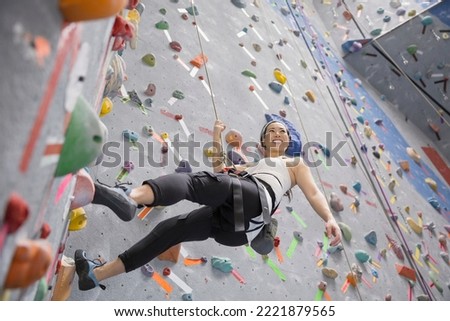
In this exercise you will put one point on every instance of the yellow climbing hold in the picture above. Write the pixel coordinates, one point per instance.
(279, 76)
(329, 273)
(107, 106)
(414, 226)
(164, 135)
(432, 183)
(310, 95)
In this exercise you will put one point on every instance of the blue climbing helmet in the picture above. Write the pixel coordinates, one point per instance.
(295, 142)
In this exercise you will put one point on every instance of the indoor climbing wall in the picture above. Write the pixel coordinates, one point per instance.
(53, 66)
(407, 68)
(267, 58)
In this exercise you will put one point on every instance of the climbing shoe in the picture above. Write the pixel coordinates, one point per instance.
(85, 271)
(116, 198)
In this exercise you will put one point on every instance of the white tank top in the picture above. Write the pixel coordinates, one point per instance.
(274, 172)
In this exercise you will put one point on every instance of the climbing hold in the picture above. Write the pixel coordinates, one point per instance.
(257, 47)
(298, 236)
(175, 45)
(163, 11)
(184, 16)
(251, 88)
(222, 264)
(434, 202)
(336, 203)
(360, 119)
(432, 183)
(30, 262)
(199, 60)
(162, 25)
(346, 231)
(395, 4)
(276, 87)
(255, 18)
(362, 256)
(391, 184)
(164, 148)
(234, 138)
(386, 19)
(357, 186)
(376, 32)
(279, 76)
(376, 154)
(404, 165)
(149, 60)
(178, 94)
(192, 10)
(343, 188)
(186, 297)
(311, 96)
(371, 238)
(303, 63)
(83, 139)
(107, 106)
(166, 271)
(412, 13)
(239, 3)
(151, 89)
(77, 219)
(413, 154)
(130, 135)
(248, 73)
(178, 117)
(353, 160)
(330, 273)
(322, 286)
(423, 297)
(380, 10)
(286, 100)
(283, 113)
(148, 130)
(406, 272)
(434, 278)
(75, 11)
(184, 167)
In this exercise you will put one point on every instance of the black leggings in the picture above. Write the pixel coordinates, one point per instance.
(213, 220)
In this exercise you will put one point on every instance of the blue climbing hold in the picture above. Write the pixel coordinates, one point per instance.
(222, 264)
(360, 119)
(434, 202)
(276, 86)
(357, 186)
(371, 238)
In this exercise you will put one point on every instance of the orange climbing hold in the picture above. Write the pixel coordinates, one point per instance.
(406, 272)
(310, 95)
(199, 60)
(82, 10)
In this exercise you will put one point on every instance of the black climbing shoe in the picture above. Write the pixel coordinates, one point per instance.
(116, 199)
(85, 271)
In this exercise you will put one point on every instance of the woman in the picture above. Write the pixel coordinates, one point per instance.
(269, 179)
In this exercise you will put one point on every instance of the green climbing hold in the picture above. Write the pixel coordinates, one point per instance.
(346, 231)
(248, 73)
(163, 11)
(375, 32)
(192, 10)
(222, 264)
(149, 60)
(178, 94)
(83, 140)
(354, 102)
(303, 63)
(434, 279)
(162, 25)
(362, 256)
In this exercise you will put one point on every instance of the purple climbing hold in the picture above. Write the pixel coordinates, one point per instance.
(175, 45)
(151, 90)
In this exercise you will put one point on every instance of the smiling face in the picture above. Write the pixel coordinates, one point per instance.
(275, 139)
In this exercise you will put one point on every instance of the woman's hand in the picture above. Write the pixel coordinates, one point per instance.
(219, 127)
(333, 231)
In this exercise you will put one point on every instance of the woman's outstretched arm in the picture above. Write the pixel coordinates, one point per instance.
(315, 197)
